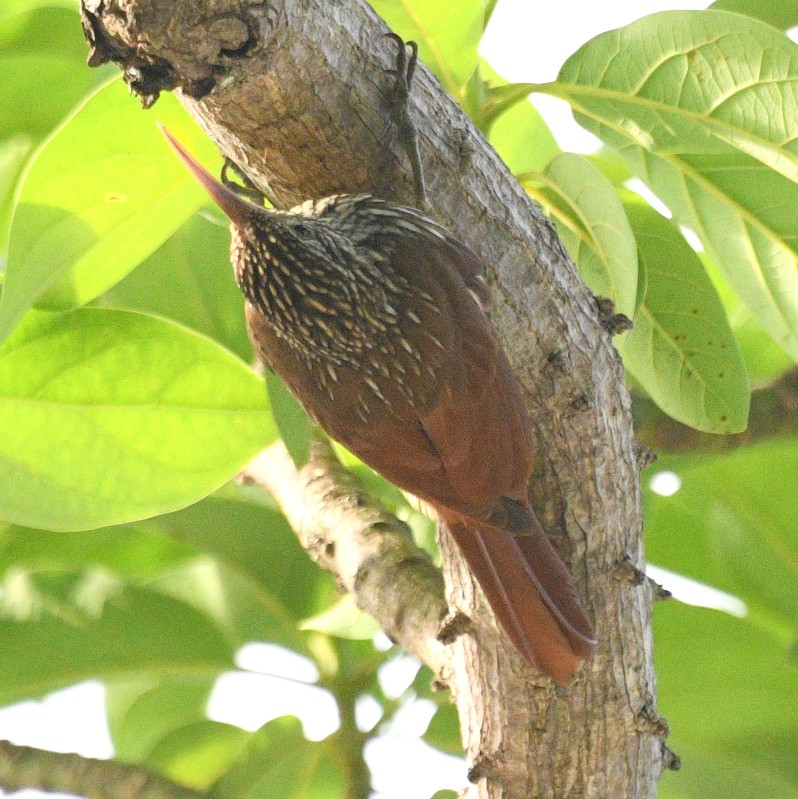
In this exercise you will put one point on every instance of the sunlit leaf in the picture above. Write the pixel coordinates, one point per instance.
(688, 98)
(112, 416)
(103, 193)
(189, 279)
(43, 72)
(344, 620)
(447, 34)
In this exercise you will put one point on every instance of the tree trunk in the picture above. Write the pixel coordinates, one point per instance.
(295, 92)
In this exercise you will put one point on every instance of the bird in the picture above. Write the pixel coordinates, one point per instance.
(375, 317)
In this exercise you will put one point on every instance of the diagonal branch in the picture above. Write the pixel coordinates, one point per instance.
(25, 767)
(370, 552)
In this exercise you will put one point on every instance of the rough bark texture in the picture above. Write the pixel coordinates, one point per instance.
(371, 553)
(295, 93)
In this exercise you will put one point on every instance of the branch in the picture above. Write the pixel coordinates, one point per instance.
(295, 93)
(774, 412)
(370, 552)
(26, 767)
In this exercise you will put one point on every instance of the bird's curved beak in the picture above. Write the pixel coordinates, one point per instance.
(235, 207)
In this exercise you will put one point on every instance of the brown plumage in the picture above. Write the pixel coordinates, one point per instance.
(374, 316)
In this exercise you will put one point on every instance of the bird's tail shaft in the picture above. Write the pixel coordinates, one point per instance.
(531, 592)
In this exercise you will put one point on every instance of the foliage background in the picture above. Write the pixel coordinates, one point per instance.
(129, 555)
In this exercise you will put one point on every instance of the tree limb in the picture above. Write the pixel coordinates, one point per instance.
(371, 552)
(295, 93)
(26, 767)
(774, 412)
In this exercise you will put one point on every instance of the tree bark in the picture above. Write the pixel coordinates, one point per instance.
(295, 92)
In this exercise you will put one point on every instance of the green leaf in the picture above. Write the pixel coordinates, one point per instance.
(729, 697)
(280, 763)
(519, 133)
(447, 34)
(265, 584)
(523, 139)
(43, 72)
(129, 551)
(111, 416)
(732, 525)
(782, 14)
(293, 422)
(143, 711)
(764, 359)
(103, 193)
(13, 154)
(592, 224)
(198, 754)
(687, 98)
(134, 632)
(682, 350)
(699, 82)
(343, 619)
(444, 730)
(189, 279)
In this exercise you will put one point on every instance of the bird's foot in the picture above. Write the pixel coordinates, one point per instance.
(248, 189)
(408, 136)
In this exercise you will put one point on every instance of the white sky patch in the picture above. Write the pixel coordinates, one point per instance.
(250, 700)
(692, 238)
(71, 720)
(638, 187)
(396, 675)
(692, 592)
(275, 661)
(665, 483)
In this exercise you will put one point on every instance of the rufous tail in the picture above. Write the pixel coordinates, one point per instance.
(531, 592)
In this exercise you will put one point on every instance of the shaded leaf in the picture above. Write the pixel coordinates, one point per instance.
(729, 697)
(764, 359)
(592, 224)
(732, 525)
(293, 422)
(143, 711)
(126, 550)
(135, 632)
(444, 730)
(111, 416)
(681, 349)
(279, 763)
(782, 14)
(198, 754)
